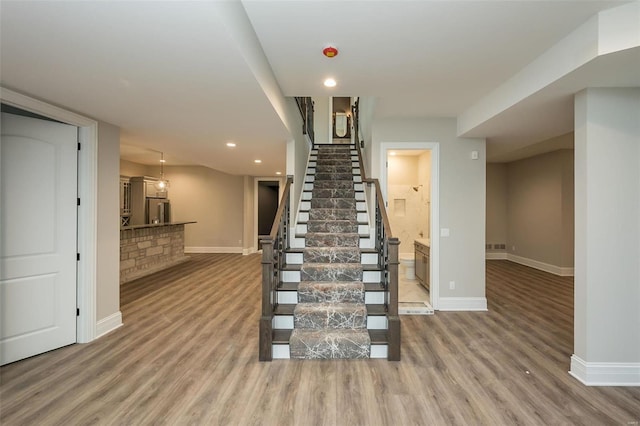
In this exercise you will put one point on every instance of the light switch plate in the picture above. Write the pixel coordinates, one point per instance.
(444, 232)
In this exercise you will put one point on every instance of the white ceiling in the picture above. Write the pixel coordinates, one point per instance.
(173, 79)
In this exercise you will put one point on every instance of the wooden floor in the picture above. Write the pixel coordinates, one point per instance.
(188, 354)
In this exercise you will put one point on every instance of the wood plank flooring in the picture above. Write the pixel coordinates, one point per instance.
(188, 354)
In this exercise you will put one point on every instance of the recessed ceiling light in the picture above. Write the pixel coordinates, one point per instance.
(392, 153)
(330, 82)
(231, 144)
(257, 161)
(278, 173)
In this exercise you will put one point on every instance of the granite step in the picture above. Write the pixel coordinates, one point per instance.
(331, 272)
(333, 214)
(323, 239)
(331, 255)
(329, 344)
(331, 292)
(333, 203)
(324, 168)
(330, 315)
(333, 226)
(333, 184)
(334, 176)
(334, 161)
(333, 192)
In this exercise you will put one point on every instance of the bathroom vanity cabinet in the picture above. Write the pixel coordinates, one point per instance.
(422, 263)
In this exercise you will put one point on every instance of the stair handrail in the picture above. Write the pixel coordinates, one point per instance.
(274, 249)
(305, 105)
(387, 248)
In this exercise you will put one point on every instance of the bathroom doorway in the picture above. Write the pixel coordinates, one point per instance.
(409, 182)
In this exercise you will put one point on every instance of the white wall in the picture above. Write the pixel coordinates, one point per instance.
(607, 275)
(108, 234)
(321, 119)
(462, 200)
(212, 198)
(129, 168)
(496, 205)
(540, 208)
(408, 210)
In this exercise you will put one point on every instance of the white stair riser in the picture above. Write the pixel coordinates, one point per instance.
(371, 276)
(369, 258)
(280, 352)
(294, 259)
(379, 351)
(285, 322)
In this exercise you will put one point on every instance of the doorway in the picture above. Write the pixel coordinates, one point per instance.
(268, 195)
(87, 329)
(39, 230)
(409, 182)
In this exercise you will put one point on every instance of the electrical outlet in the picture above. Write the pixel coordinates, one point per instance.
(513, 248)
(452, 285)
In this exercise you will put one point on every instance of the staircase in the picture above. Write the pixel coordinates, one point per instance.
(331, 300)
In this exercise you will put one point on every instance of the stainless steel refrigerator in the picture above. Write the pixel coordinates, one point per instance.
(158, 210)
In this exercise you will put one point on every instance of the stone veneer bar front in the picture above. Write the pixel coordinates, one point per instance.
(145, 249)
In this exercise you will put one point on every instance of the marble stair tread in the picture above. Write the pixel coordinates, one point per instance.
(331, 272)
(330, 315)
(288, 308)
(331, 292)
(331, 255)
(281, 336)
(329, 344)
(293, 286)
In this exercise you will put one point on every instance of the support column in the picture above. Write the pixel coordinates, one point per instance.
(607, 237)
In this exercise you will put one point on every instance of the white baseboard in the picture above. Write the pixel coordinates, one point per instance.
(108, 324)
(562, 271)
(501, 255)
(248, 251)
(213, 250)
(462, 304)
(605, 373)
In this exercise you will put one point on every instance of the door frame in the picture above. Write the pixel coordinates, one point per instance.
(434, 233)
(257, 179)
(86, 279)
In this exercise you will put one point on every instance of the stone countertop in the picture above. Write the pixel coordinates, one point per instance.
(424, 241)
(154, 225)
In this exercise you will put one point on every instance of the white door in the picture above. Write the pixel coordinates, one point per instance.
(38, 227)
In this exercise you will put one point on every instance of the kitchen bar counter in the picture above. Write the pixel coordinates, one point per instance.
(145, 249)
(153, 225)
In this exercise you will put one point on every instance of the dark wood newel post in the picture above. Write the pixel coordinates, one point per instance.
(266, 318)
(393, 318)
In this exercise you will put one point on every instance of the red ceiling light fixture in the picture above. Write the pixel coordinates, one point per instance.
(330, 52)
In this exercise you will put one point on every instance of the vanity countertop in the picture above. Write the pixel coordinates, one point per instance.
(424, 241)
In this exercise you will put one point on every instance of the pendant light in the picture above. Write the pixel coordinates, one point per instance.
(162, 184)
